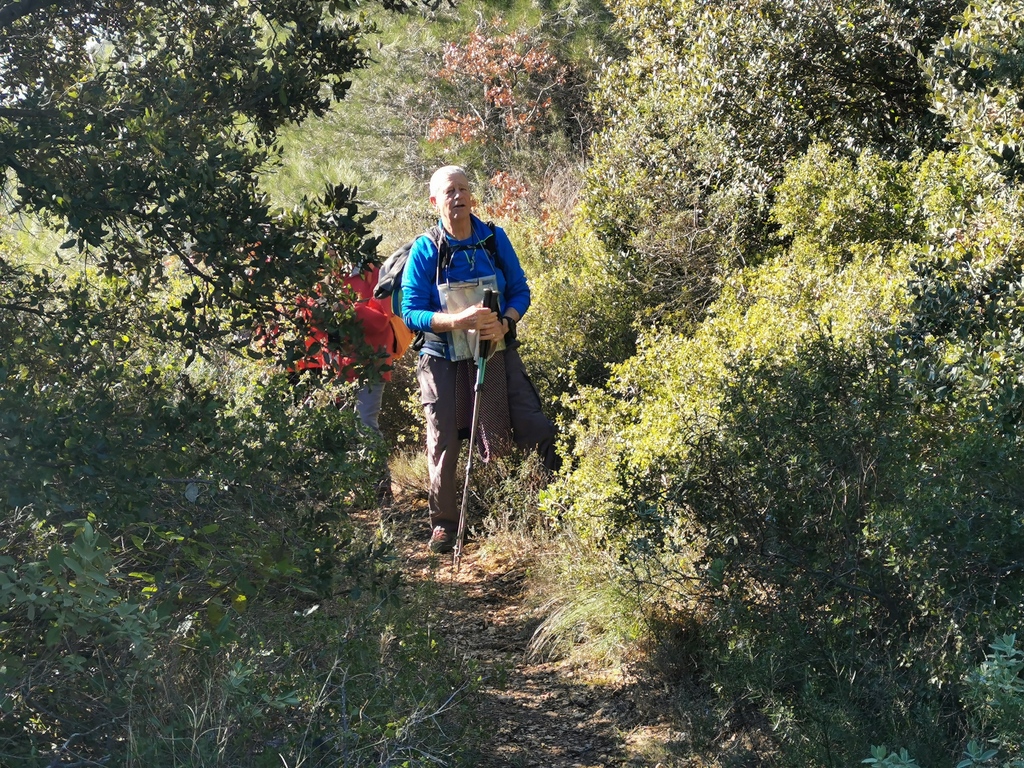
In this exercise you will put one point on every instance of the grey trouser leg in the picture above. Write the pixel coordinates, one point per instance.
(436, 377)
(368, 400)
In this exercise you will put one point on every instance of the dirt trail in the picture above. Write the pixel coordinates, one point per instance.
(533, 712)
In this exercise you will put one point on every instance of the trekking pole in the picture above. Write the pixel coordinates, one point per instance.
(484, 350)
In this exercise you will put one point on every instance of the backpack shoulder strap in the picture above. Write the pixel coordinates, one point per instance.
(444, 253)
(491, 242)
(490, 245)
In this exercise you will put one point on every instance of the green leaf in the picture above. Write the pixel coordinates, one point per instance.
(55, 557)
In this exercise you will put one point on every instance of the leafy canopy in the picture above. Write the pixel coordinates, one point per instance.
(714, 99)
(141, 130)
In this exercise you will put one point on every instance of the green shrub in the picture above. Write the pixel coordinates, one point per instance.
(581, 318)
(174, 535)
(824, 476)
(711, 103)
(994, 694)
(995, 698)
(976, 80)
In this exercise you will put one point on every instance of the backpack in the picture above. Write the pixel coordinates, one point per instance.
(389, 284)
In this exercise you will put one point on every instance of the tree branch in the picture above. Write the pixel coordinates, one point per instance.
(22, 308)
(14, 112)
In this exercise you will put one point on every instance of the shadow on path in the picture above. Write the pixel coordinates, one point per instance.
(531, 712)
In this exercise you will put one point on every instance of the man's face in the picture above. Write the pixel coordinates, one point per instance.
(453, 200)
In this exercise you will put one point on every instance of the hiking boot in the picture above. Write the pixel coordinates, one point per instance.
(441, 540)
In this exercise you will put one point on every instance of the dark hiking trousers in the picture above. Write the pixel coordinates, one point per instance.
(437, 378)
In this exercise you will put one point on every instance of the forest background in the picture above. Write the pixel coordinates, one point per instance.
(776, 252)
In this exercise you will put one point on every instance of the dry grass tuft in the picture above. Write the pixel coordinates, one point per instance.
(409, 475)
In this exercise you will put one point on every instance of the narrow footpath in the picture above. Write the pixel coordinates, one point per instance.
(533, 712)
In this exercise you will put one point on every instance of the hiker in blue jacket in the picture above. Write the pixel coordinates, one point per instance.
(443, 283)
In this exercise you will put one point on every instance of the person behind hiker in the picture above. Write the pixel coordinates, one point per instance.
(380, 330)
(444, 302)
(375, 316)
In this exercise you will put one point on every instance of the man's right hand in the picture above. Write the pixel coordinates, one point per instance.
(470, 319)
(474, 318)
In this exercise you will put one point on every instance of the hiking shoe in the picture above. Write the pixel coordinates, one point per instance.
(441, 540)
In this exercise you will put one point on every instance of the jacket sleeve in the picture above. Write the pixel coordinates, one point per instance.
(419, 293)
(517, 290)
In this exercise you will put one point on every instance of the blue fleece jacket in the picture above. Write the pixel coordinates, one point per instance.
(420, 297)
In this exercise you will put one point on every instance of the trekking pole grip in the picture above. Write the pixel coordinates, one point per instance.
(491, 302)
